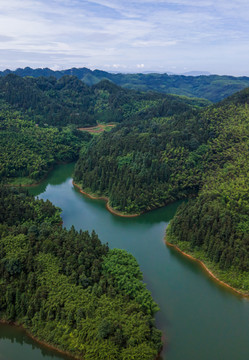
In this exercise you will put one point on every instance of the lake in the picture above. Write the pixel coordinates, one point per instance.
(200, 319)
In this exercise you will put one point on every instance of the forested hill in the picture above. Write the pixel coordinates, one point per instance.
(27, 151)
(212, 87)
(145, 164)
(214, 227)
(68, 289)
(39, 119)
(48, 101)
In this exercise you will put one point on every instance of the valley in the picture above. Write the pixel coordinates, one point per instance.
(156, 158)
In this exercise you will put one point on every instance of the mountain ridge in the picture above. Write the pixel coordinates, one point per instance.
(210, 87)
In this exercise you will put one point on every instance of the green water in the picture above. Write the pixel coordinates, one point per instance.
(201, 320)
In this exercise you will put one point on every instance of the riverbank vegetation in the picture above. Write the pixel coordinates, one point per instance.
(64, 286)
(146, 164)
(68, 289)
(215, 226)
(137, 164)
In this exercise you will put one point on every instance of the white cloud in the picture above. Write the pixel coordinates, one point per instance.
(97, 32)
(153, 43)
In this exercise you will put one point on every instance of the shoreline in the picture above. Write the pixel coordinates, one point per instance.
(47, 345)
(119, 213)
(204, 266)
(41, 180)
(37, 340)
(106, 199)
(37, 183)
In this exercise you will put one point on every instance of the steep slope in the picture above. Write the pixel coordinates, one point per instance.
(137, 164)
(69, 101)
(39, 119)
(215, 226)
(146, 164)
(27, 151)
(48, 101)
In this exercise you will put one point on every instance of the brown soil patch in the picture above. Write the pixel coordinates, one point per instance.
(96, 129)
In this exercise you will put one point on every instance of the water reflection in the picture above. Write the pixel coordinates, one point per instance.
(200, 319)
(16, 344)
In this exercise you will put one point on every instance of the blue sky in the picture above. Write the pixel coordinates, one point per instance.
(126, 36)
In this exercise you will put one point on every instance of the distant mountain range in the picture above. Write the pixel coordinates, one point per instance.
(196, 73)
(193, 84)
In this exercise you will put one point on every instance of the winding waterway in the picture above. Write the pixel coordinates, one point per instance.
(201, 319)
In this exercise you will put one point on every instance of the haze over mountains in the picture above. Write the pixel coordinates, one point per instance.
(211, 87)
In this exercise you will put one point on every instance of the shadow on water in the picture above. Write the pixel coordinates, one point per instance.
(196, 268)
(156, 216)
(19, 340)
(59, 174)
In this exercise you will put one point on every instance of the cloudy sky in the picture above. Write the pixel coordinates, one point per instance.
(127, 36)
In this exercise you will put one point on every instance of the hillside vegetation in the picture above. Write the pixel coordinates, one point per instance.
(68, 289)
(27, 151)
(39, 120)
(212, 87)
(52, 102)
(183, 152)
(215, 226)
(143, 164)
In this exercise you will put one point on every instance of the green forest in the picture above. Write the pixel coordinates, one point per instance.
(64, 286)
(183, 152)
(143, 164)
(39, 119)
(27, 151)
(68, 289)
(211, 87)
(52, 102)
(214, 227)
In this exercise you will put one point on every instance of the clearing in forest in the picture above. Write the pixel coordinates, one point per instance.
(98, 129)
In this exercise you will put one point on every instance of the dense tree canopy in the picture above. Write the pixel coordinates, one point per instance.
(39, 119)
(28, 151)
(146, 163)
(70, 290)
(178, 153)
(215, 226)
(48, 101)
(65, 286)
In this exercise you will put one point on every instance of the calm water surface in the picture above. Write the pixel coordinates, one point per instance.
(201, 320)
